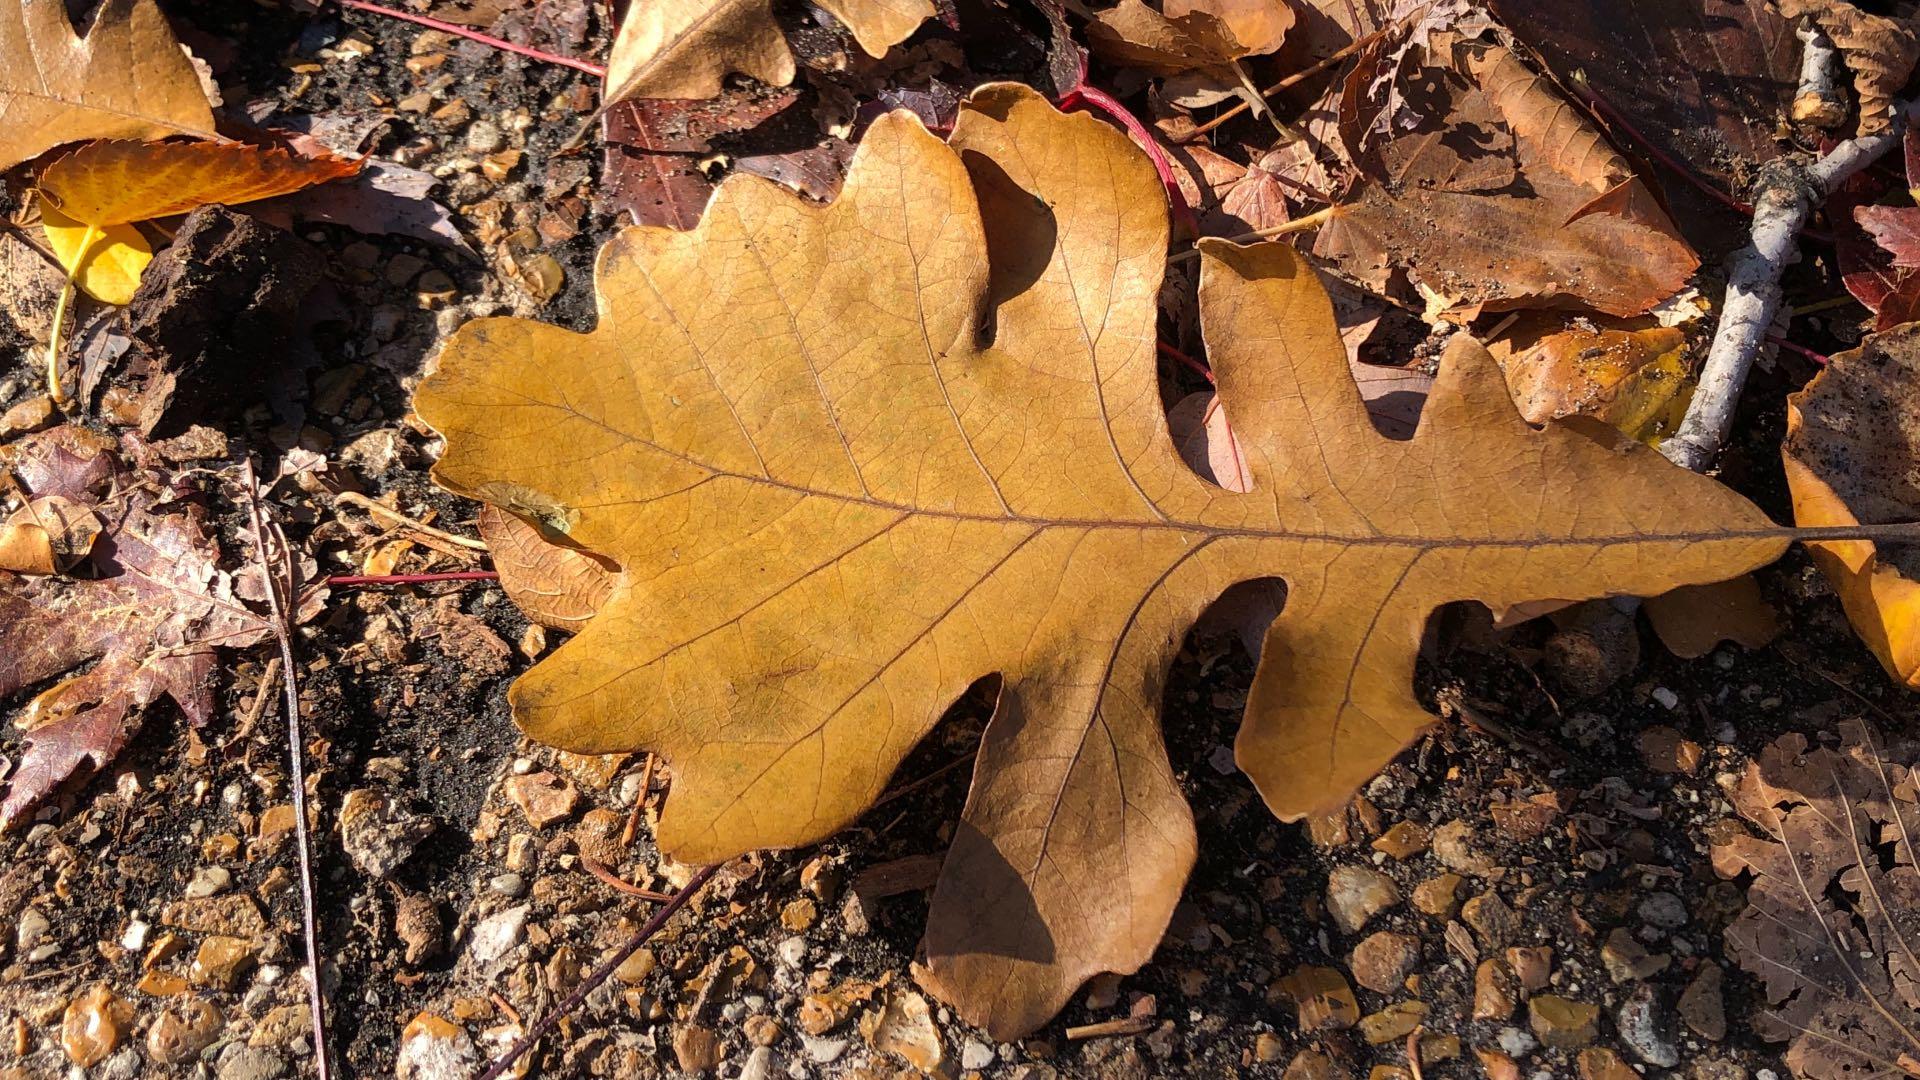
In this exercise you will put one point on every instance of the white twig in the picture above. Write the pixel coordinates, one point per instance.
(1820, 101)
(1783, 198)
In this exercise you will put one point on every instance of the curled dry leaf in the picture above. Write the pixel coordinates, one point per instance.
(1853, 457)
(835, 507)
(1188, 34)
(1879, 50)
(47, 535)
(557, 586)
(149, 622)
(116, 181)
(1705, 80)
(684, 48)
(1829, 928)
(1879, 259)
(127, 79)
(1499, 196)
(1635, 380)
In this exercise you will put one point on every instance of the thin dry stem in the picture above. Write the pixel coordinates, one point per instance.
(354, 498)
(282, 582)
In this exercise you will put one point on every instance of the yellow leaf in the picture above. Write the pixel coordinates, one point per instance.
(127, 79)
(851, 459)
(1852, 457)
(1636, 380)
(109, 267)
(684, 48)
(115, 181)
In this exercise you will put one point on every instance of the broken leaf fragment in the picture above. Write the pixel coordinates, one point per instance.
(835, 507)
(1827, 934)
(47, 535)
(1852, 457)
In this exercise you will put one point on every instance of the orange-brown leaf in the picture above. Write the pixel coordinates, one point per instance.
(116, 181)
(557, 586)
(1853, 457)
(835, 507)
(127, 78)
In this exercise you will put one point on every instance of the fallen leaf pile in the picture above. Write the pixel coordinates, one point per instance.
(147, 609)
(1853, 457)
(836, 501)
(1829, 929)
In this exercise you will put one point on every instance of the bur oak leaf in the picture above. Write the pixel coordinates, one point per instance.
(851, 459)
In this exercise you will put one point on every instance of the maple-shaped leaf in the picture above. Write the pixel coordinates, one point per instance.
(684, 48)
(1491, 193)
(148, 618)
(127, 78)
(850, 459)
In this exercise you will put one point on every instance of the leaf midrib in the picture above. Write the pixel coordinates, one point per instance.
(1196, 528)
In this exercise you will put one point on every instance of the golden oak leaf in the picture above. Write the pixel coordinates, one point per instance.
(684, 48)
(127, 78)
(851, 459)
(116, 181)
(1852, 456)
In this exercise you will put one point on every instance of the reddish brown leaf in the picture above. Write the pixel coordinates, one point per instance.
(1828, 932)
(149, 619)
(1703, 80)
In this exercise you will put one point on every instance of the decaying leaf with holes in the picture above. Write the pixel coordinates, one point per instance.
(148, 619)
(128, 78)
(1853, 457)
(684, 48)
(835, 506)
(1830, 930)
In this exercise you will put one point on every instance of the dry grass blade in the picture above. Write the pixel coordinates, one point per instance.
(1832, 926)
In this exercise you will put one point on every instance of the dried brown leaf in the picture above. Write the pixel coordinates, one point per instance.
(1832, 925)
(149, 622)
(1490, 198)
(557, 586)
(835, 506)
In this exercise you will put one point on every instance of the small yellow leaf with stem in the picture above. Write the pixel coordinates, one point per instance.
(88, 237)
(110, 270)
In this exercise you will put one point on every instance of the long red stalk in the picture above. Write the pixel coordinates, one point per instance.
(412, 579)
(457, 30)
(1096, 98)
